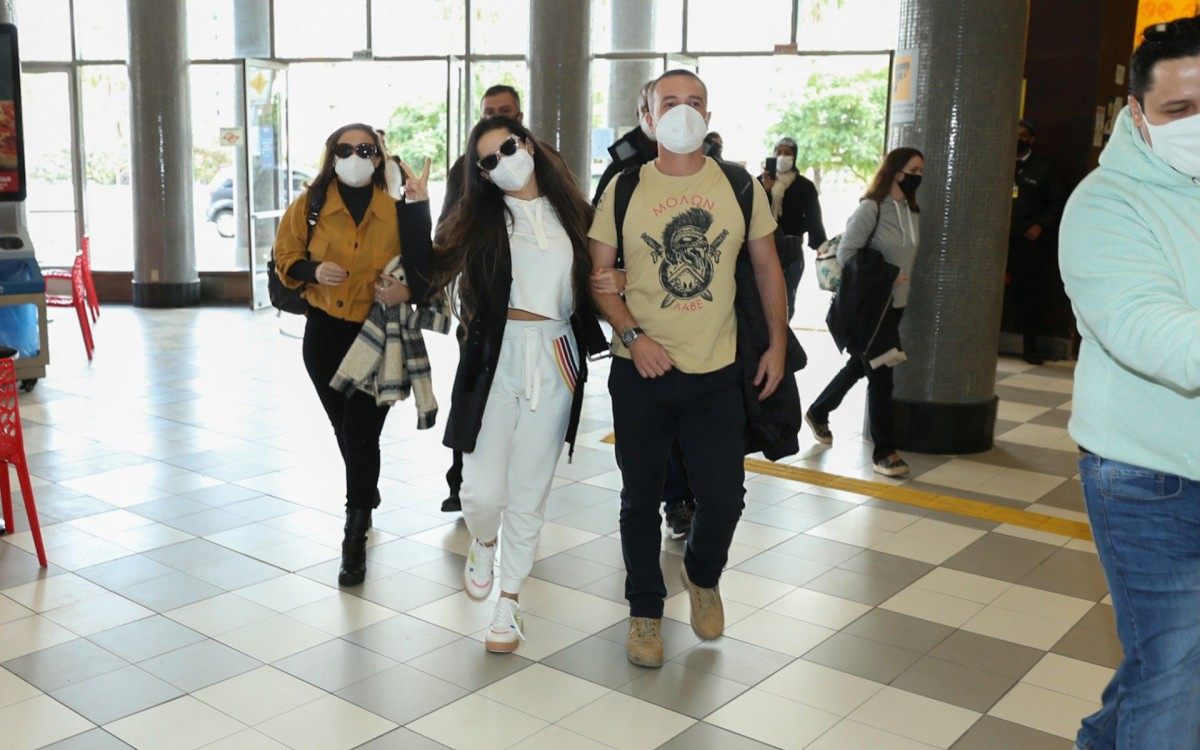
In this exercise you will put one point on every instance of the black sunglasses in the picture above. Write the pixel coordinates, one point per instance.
(365, 150)
(492, 160)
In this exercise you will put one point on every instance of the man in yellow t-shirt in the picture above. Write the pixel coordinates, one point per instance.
(675, 374)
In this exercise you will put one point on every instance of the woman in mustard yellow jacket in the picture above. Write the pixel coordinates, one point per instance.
(358, 228)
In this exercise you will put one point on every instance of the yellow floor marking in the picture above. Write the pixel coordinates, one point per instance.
(919, 498)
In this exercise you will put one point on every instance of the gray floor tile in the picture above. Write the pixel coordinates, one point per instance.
(125, 572)
(147, 638)
(990, 733)
(1053, 418)
(68, 508)
(818, 550)
(598, 660)
(261, 508)
(465, 663)
(192, 554)
(779, 567)
(403, 554)
(170, 592)
(96, 739)
(605, 550)
(734, 660)
(677, 636)
(603, 521)
(816, 505)
(1006, 558)
(66, 664)
(1068, 496)
(856, 587)
(402, 591)
(335, 664)
(785, 518)
(992, 655)
(955, 684)
(236, 572)
(206, 522)
(199, 665)
(405, 522)
(1070, 572)
(403, 694)
(327, 572)
(902, 631)
(570, 571)
(1003, 426)
(403, 638)
(18, 567)
(684, 691)
(116, 695)
(221, 495)
(587, 494)
(703, 736)
(1100, 617)
(1015, 456)
(1033, 397)
(888, 567)
(402, 739)
(858, 656)
(168, 508)
(610, 587)
(1091, 645)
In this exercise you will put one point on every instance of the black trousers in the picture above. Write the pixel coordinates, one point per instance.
(357, 421)
(705, 413)
(454, 474)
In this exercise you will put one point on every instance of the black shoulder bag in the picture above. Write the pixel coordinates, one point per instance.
(282, 296)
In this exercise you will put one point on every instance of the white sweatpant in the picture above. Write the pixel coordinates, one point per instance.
(506, 480)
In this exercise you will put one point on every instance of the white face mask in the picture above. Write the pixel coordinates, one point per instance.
(784, 163)
(513, 172)
(1178, 144)
(681, 130)
(354, 170)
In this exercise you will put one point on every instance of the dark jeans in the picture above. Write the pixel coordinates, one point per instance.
(705, 414)
(454, 474)
(879, 400)
(677, 492)
(792, 273)
(357, 421)
(1147, 529)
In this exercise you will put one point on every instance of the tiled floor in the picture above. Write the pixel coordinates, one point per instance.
(189, 493)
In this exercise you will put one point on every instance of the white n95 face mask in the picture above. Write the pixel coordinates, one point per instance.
(784, 163)
(513, 172)
(354, 170)
(681, 130)
(1178, 144)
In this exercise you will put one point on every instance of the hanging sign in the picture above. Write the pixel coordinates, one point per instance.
(904, 86)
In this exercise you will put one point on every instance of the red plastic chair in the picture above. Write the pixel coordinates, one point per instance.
(89, 283)
(12, 453)
(77, 299)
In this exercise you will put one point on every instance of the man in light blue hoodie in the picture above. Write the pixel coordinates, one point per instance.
(1130, 256)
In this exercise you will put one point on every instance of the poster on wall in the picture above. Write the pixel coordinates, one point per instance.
(12, 145)
(904, 86)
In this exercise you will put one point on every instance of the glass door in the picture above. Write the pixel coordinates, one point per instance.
(54, 219)
(269, 187)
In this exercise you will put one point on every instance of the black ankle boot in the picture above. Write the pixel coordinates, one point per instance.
(354, 547)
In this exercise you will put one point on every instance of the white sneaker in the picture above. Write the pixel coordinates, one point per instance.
(478, 572)
(507, 629)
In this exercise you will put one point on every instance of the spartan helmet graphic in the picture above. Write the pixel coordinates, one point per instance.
(687, 262)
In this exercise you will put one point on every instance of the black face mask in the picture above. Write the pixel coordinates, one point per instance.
(909, 183)
(1023, 147)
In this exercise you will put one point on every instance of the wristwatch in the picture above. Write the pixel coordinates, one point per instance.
(630, 335)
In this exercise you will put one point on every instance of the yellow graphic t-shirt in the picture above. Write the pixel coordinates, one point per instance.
(682, 239)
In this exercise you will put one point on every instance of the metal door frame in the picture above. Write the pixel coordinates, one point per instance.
(249, 215)
(78, 152)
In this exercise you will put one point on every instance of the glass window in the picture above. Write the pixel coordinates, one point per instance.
(101, 30)
(216, 212)
(210, 30)
(513, 73)
(500, 27)
(715, 25)
(418, 27)
(45, 31)
(848, 25)
(106, 137)
(648, 25)
(51, 203)
(317, 28)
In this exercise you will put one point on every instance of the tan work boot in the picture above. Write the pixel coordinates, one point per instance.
(708, 613)
(644, 647)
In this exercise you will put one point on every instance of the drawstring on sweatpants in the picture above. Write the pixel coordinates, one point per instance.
(533, 373)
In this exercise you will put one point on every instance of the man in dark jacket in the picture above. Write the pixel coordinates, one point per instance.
(497, 100)
(635, 148)
(1038, 199)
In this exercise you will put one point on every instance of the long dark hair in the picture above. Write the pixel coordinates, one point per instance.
(470, 240)
(893, 164)
(326, 176)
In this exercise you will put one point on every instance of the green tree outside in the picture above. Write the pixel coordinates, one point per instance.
(837, 122)
(417, 132)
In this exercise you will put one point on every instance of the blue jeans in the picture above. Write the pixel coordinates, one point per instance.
(1147, 530)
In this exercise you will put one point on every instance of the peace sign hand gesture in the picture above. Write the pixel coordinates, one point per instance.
(416, 189)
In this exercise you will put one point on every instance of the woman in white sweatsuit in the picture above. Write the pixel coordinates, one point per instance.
(517, 243)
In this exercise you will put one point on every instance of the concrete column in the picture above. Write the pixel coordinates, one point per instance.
(8, 13)
(632, 30)
(559, 80)
(164, 273)
(968, 87)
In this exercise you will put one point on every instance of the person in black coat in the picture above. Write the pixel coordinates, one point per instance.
(635, 148)
(1038, 200)
(506, 102)
(796, 207)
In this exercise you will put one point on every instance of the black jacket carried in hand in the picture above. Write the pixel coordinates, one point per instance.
(801, 213)
(1038, 197)
(858, 317)
(631, 150)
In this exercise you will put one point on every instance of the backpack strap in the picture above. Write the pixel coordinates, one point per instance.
(627, 182)
(316, 201)
(743, 189)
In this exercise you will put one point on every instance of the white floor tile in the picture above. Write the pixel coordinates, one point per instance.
(475, 722)
(10, 610)
(258, 695)
(932, 606)
(54, 592)
(220, 614)
(1018, 627)
(329, 723)
(458, 612)
(39, 721)
(274, 638)
(544, 693)
(14, 690)
(542, 637)
(777, 632)
(341, 614)
(1069, 676)
(1045, 710)
(773, 720)
(584, 612)
(30, 634)
(643, 726)
(247, 739)
(819, 609)
(752, 590)
(192, 725)
(916, 717)
(1045, 604)
(820, 687)
(963, 585)
(287, 592)
(557, 738)
(850, 735)
(759, 536)
(97, 614)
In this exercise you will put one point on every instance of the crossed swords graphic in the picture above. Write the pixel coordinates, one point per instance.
(658, 252)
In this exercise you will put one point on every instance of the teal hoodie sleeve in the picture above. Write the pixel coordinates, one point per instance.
(1124, 289)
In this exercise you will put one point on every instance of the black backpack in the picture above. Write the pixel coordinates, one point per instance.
(283, 297)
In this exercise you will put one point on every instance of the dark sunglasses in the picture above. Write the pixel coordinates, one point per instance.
(365, 150)
(492, 160)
